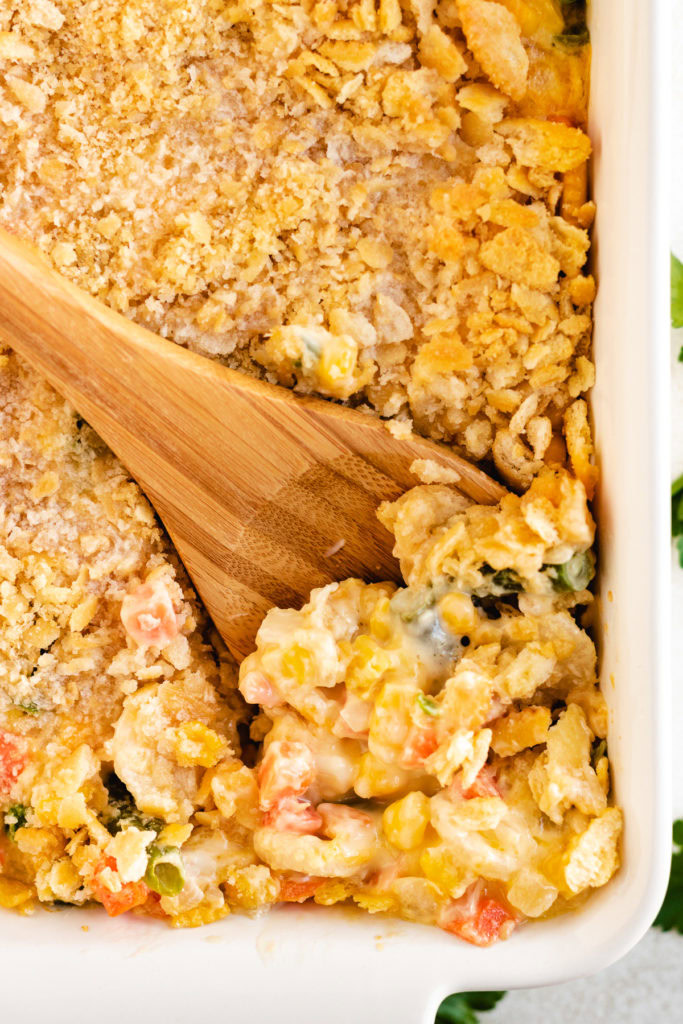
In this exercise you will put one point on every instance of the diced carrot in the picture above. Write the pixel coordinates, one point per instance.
(421, 742)
(294, 890)
(256, 688)
(293, 814)
(478, 918)
(287, 769)
(148, 615)
(13, 758)
(131, 894)
(483, 785)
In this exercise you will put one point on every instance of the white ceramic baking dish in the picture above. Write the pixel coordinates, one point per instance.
(336, 966)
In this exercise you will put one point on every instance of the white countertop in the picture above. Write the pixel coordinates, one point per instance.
(647, 985)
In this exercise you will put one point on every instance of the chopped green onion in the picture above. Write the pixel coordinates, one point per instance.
(15, 818)
(428, 705)
(165, 873)
(574, 574)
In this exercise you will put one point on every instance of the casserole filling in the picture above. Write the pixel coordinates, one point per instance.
(383, 203)
(437, 750)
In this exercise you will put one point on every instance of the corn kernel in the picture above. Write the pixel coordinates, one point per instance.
(368, 664)
(380, 621)
(298, 663)
(195, 744)
(404, 822)
(174, 835)
(378, 779)
(458, 613)
(441, 867)
(337, 361)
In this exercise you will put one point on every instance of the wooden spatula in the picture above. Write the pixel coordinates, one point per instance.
(264, 493)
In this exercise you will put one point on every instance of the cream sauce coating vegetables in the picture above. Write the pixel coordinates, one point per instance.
(473, 779)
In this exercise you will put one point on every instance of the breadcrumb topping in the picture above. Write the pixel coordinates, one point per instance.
(382, 202)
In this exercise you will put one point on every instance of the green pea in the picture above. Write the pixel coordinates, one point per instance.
(165, 872)
(574, 574)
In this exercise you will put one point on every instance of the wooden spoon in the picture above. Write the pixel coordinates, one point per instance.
(265, 494)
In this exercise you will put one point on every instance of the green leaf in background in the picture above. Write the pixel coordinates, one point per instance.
(676, 292)
(677, 515)
(464, 1007)
(670, 917)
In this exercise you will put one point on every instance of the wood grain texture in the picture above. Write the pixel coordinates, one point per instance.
(254, 484)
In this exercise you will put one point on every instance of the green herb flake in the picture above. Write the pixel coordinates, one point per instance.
(428, 705)
(465, 1007)
(507, 581)
(28, 707)
(15, 818)
(676, 294)
(670, 916)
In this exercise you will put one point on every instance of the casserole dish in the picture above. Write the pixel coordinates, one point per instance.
(312, 964)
